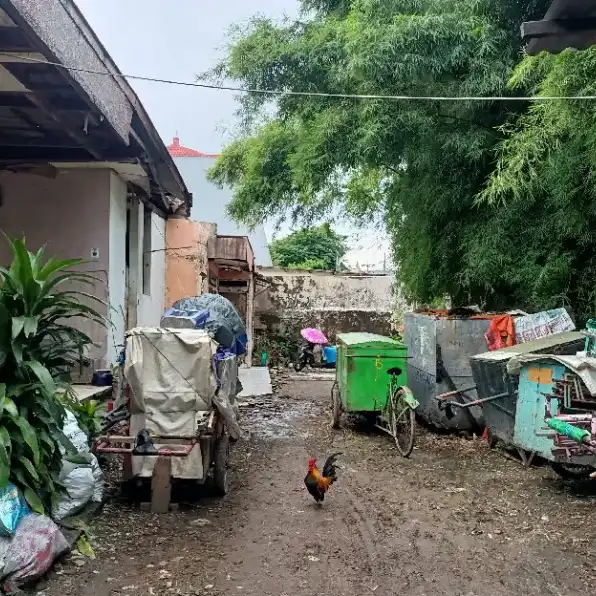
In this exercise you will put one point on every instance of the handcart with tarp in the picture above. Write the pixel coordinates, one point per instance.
(181, 386)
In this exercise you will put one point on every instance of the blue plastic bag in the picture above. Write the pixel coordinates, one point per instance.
(13, 508)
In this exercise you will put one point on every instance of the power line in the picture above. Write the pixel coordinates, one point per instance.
(278, 93)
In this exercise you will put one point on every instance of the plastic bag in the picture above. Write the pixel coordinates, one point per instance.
(37, 543)
(82, 480)
(13, 508)
(74, 434)
(78, 491)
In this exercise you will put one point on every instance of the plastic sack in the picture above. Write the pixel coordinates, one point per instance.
(82, 481)
(13, 508)
(79, 486)
(74, 434)
(37, 543)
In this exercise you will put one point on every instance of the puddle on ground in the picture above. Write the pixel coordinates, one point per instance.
(273, 418)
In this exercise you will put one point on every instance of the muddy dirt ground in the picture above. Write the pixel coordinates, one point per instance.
(454, 519)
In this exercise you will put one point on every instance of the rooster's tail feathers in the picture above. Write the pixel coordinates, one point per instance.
(330, 468)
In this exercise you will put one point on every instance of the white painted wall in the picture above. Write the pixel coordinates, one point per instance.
(152, 305)
(116, 267)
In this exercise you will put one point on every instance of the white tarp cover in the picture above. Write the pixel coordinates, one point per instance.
(173, 385)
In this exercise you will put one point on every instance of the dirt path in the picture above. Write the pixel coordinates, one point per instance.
(455, 519)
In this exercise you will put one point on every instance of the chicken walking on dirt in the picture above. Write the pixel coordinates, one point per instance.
(317, 483)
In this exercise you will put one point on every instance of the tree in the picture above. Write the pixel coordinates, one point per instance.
(544, 223)
(309, 248)
(421, 164)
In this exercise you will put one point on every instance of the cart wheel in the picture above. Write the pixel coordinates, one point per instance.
(403, 423)
(572, 471)
(335, 406)
(220, 470)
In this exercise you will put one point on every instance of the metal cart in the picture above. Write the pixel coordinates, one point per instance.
(371, 380)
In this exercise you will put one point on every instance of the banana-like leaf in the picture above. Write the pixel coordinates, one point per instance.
(17, 326)
(33, 500)
(30, 326)
(84, 547)
(30, 437)
(4, 465)
(43, 374)
(29, 467)
(10, 407)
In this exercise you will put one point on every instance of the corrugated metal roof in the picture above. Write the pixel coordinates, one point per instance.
(177, 150)
(354, 339)
(544, 343)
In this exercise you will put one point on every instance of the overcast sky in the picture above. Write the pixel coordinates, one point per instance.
(176, 39)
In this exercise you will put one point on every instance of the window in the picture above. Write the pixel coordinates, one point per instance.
(147, 251)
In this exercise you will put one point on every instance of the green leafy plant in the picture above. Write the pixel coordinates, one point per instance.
(39, 298)
(87, 414)
(421, 165)
(310, 248)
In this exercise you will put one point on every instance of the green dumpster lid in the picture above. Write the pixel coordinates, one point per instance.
(355, 339)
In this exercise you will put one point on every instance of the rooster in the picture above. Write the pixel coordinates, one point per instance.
(317, 483)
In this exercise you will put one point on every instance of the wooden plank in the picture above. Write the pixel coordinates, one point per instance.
(234, 275)
(12, 39)
(161, 485)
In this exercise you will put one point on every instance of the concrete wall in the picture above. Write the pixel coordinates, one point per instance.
(334, 303)
(210, 205)
(71, 215)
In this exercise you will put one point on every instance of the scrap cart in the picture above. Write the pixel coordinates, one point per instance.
(181, 386)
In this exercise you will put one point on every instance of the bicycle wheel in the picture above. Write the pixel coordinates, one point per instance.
(403, 422)
(335, 406)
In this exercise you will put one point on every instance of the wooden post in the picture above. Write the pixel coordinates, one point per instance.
(250, 307)
(161, 485)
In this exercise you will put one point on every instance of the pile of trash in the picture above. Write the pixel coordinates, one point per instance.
(30, 543)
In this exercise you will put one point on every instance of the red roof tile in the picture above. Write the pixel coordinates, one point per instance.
(177, 150)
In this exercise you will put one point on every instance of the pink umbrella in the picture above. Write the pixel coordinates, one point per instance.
(314, 336)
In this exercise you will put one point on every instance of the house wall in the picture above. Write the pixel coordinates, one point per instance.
(187, 265)
(210, 204)
(116, 267)
(152, 305)
(71, 215)
(79, 211)
(335, 303)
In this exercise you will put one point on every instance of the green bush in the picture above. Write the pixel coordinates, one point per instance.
(38, 349)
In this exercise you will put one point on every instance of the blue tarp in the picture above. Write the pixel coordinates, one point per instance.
(215, 314)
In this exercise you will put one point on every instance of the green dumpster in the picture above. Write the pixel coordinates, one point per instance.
(371, 379)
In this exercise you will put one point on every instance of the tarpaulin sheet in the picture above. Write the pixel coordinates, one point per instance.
(214, 313)
(174, 385)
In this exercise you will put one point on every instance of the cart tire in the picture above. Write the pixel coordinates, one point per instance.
(335, 406)
(403, 424)
(571, 471)
(221, 478)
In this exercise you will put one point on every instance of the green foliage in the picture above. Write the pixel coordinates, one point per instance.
(87, 414)
(543, 231)
(419, 163)
(37, 350)
(309, 248)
